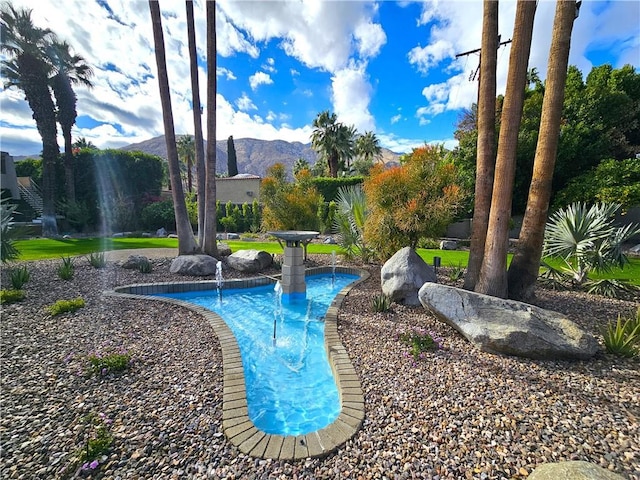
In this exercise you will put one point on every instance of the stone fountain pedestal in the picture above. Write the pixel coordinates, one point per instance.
(294, 287)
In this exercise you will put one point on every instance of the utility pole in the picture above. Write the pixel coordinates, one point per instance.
(473, 75)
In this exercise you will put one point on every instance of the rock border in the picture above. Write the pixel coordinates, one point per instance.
(236, 424)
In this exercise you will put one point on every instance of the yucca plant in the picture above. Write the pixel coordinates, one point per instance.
(97, 259)
(381, 303)
(8, 233)
(456, 273)
(586, 239)
(19, 276)
(622, 338)
(610, 288)
(67, 269)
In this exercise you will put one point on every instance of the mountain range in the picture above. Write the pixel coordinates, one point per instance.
(253, 156)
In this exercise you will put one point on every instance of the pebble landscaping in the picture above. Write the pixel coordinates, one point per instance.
(457, 413)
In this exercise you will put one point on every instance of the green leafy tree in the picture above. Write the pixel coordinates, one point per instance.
(413, 201)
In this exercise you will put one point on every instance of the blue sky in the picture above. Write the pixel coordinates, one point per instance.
(388, 67)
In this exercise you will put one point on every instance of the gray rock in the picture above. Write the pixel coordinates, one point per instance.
(250, 261)
(233, 236)
(329, 241)
(134, 262)
(224, 250)
(448, 245)
(193, 265)
(496, 325)
(574, 470)
(403, 275)
(172, 235)
(161, 232)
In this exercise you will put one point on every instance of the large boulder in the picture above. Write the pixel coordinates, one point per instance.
(224, 250)
(134, 262)
(574, 470)
(249, 261)
(194, 265)
(403, 275)
(497, 325)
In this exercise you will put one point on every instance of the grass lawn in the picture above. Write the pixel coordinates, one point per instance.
(43, 248)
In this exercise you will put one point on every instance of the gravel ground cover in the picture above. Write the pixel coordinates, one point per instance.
(458, 413)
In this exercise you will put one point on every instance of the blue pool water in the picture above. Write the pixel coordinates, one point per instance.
(290, 387)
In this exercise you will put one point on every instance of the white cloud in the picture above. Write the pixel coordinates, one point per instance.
(244, 103)
(351, 94)
(430, 56)
(225, 72)
(294, 72)
(396, 119)
(370, 38)
(259, 78)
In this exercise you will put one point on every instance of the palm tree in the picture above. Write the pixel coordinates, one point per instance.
(209, 245)
(82, 142)
(523, 271)
(186, 152)
(69, 70)
(197, 120)
(368, 147)
(333, 140)
(486, 155)
(493, 273)
(26, 67)
(186, 241)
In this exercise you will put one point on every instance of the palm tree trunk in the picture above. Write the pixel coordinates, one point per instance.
(69, 177)
(485, 164)
(523, 271)
(493, 273)
(201, 173)
(186, 241)
(210, 246)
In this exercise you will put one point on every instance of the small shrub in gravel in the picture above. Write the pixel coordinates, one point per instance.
(381, 303)
(419, 343)
(67, 269)
(97, 260)
(145, 266)
(63, 306)
(98, 442)
(622, 338)
(19, 276)
(11, 296)
(103, 364)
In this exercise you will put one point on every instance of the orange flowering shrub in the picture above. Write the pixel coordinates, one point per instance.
(415, 200)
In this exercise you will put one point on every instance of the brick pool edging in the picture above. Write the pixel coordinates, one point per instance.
(237, 426)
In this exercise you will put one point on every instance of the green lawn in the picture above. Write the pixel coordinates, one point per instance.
(43, 248)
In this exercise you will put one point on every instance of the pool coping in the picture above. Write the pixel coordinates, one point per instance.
(236, 424)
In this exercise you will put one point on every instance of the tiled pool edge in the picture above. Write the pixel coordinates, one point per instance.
(236, 424)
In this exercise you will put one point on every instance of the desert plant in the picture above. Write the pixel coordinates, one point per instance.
(102, 364)
(11, 296)
(419, 342)
(622, 338)
(19, 276)
(97, 259)
(350, 219)
(381, 303)
(63, 306)
(610, 287)
(145, 266)
(67, 269)
(554, 278)
(456, 273)
(586, 239)
(8, 233)
(98, 441)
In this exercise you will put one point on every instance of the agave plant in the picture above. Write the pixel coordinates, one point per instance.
(587, 239)
(8, 233)
(350, 219)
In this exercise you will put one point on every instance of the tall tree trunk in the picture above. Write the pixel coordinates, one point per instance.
(66, 102)
(493, 273)
(69, 177)
(486, 160)
(523, 271)
(186, 241)
(232, 160)
(210, 245)
(197, 121)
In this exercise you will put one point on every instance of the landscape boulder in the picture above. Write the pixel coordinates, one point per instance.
(496, 325)
(249, 261)
(574, 470)
(193, 265)
(448, 245)
(224, 250)
(134, 262)
(403, 275)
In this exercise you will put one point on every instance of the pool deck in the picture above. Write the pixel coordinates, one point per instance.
(236, 424)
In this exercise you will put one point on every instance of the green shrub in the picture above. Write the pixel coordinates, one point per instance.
(456, 273)
(329, 186)
(610, 288)
(157, 215)
(19, 276)
(63, 306)
(97, 260)
(11, 296)
(108, 363)
(622, 338)
(145, 266)
(8, 234)
(67, 269)
(419, 343)
(381, 303)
